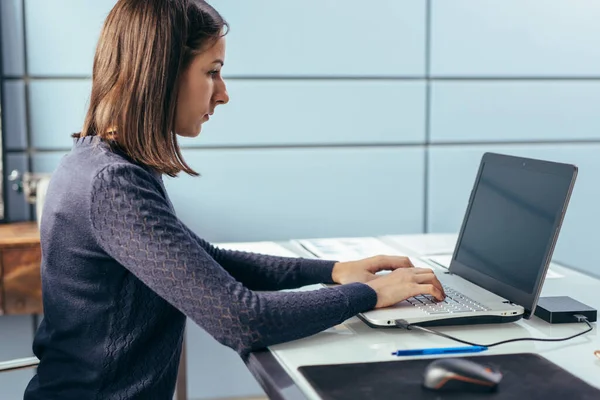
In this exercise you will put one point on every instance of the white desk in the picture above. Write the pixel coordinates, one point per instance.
(353, 341)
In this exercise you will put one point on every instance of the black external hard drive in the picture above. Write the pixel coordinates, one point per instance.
(561, 309)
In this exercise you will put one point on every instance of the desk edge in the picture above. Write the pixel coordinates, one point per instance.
(271, 376)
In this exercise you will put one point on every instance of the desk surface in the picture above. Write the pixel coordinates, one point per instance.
(353, 341)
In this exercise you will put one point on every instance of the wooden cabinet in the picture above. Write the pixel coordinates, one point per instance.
(20, 258)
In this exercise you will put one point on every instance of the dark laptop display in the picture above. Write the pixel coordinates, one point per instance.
(511, 225)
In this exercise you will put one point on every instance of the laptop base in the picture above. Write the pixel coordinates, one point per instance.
(476, 320)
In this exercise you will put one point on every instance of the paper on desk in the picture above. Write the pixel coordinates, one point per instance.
(441, 260)
(553, 274)
(347, 249)
(269, 248)
(445, 259)
(425, 244)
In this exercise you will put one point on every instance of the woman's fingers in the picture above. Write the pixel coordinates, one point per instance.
(431, 290)
(423, 271)
(428, 278)
(390, 263)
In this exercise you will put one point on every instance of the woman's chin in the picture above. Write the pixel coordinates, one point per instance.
(190, 133)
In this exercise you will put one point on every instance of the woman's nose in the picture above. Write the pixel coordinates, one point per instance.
(222, 95)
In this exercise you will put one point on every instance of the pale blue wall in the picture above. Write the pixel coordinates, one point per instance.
(347, 117)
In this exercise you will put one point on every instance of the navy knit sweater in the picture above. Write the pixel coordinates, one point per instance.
(121, 272)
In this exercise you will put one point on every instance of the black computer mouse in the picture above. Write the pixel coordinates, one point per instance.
(458, 374)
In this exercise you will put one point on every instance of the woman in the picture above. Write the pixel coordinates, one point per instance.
(121, 272)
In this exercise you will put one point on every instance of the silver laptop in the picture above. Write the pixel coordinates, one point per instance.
(504, 247)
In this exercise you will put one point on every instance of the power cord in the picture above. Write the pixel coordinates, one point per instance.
(401, 323)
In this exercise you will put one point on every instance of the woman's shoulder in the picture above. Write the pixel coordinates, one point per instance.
(99, 157)
(110, 164)
(92, 166)
(119, 173)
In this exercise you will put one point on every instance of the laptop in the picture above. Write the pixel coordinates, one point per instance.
(504, 246)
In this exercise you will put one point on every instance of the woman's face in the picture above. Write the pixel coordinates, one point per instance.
(201, 89)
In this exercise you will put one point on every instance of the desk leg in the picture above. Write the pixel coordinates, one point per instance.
(181, 387)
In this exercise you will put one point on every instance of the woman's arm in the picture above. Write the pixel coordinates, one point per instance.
(265, 272)
(134, 224)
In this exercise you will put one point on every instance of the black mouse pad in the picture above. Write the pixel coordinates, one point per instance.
(525, 376)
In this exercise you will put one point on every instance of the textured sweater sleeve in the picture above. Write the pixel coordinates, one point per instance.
(265, 272)
(133, 223)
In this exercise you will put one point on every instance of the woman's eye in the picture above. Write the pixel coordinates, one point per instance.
(214, 73)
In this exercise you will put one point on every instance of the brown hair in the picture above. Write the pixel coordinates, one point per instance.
(144, 47)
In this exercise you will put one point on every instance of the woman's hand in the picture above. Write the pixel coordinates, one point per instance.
(364, 270)
(403, 283)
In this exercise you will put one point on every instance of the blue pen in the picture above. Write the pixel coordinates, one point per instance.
(440, 350)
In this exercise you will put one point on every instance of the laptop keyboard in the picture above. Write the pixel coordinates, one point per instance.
(455, 302)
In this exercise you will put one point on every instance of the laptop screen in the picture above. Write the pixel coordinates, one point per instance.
(513, 217)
